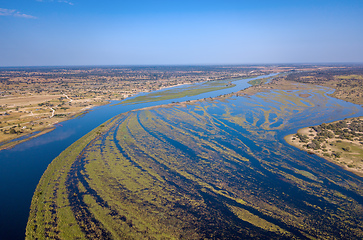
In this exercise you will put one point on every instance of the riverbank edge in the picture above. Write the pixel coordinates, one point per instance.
(288, 139)
(53, 176)
(13, 142)
(281, 84)
(8, 144)
(65, 160)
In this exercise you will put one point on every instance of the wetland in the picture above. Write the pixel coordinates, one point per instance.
(205, 160)
(216, 168)
(22, 166)
(35, 99)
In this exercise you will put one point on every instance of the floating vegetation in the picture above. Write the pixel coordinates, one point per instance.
(214, 170)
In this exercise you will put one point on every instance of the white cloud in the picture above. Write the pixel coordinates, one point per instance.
(64, 1)
(14, 13)
(60, 1)
(6, 12)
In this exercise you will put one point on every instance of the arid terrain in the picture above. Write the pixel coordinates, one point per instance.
(33, 100)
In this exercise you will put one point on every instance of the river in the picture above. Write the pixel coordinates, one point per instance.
(22, 166)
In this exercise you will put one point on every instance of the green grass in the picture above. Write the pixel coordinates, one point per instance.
(355, 152)
(347, 77)
(50, 196)
(258, 81)
(189, 173)
(175, 93)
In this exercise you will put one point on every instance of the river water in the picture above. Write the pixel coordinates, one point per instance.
(22, 166)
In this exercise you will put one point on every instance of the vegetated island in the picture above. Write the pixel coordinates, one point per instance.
(33, 100)
(338, 142)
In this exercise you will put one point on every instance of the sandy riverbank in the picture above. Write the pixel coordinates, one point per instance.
(344, 152)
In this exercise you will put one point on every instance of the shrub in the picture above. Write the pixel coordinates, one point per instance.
(347, 149)
(330, 135)
(303, 138)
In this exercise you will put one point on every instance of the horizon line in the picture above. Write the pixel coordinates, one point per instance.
(181, 65)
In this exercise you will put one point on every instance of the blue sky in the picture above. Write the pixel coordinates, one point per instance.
(91, 32)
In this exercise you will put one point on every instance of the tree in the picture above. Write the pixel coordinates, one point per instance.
(347, 148)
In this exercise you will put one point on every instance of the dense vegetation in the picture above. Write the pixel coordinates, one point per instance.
(352, 131)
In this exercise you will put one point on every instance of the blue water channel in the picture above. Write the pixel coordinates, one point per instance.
(22, 166)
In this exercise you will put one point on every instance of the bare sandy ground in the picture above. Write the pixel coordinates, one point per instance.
(27, 100)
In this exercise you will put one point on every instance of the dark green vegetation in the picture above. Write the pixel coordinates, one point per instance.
(346, 129)
(212, 170)
(340, 142)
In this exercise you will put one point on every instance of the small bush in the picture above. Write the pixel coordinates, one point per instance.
(347, 149)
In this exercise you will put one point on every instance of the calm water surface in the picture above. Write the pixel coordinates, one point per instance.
(22, 166)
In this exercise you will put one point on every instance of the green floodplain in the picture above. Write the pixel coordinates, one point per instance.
(214, 169)
(191, 90)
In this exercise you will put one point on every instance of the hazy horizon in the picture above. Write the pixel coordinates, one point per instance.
(188, 65)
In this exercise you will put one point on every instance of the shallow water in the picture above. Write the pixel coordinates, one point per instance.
(22, 166)
(289, 179)
(221, 166)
